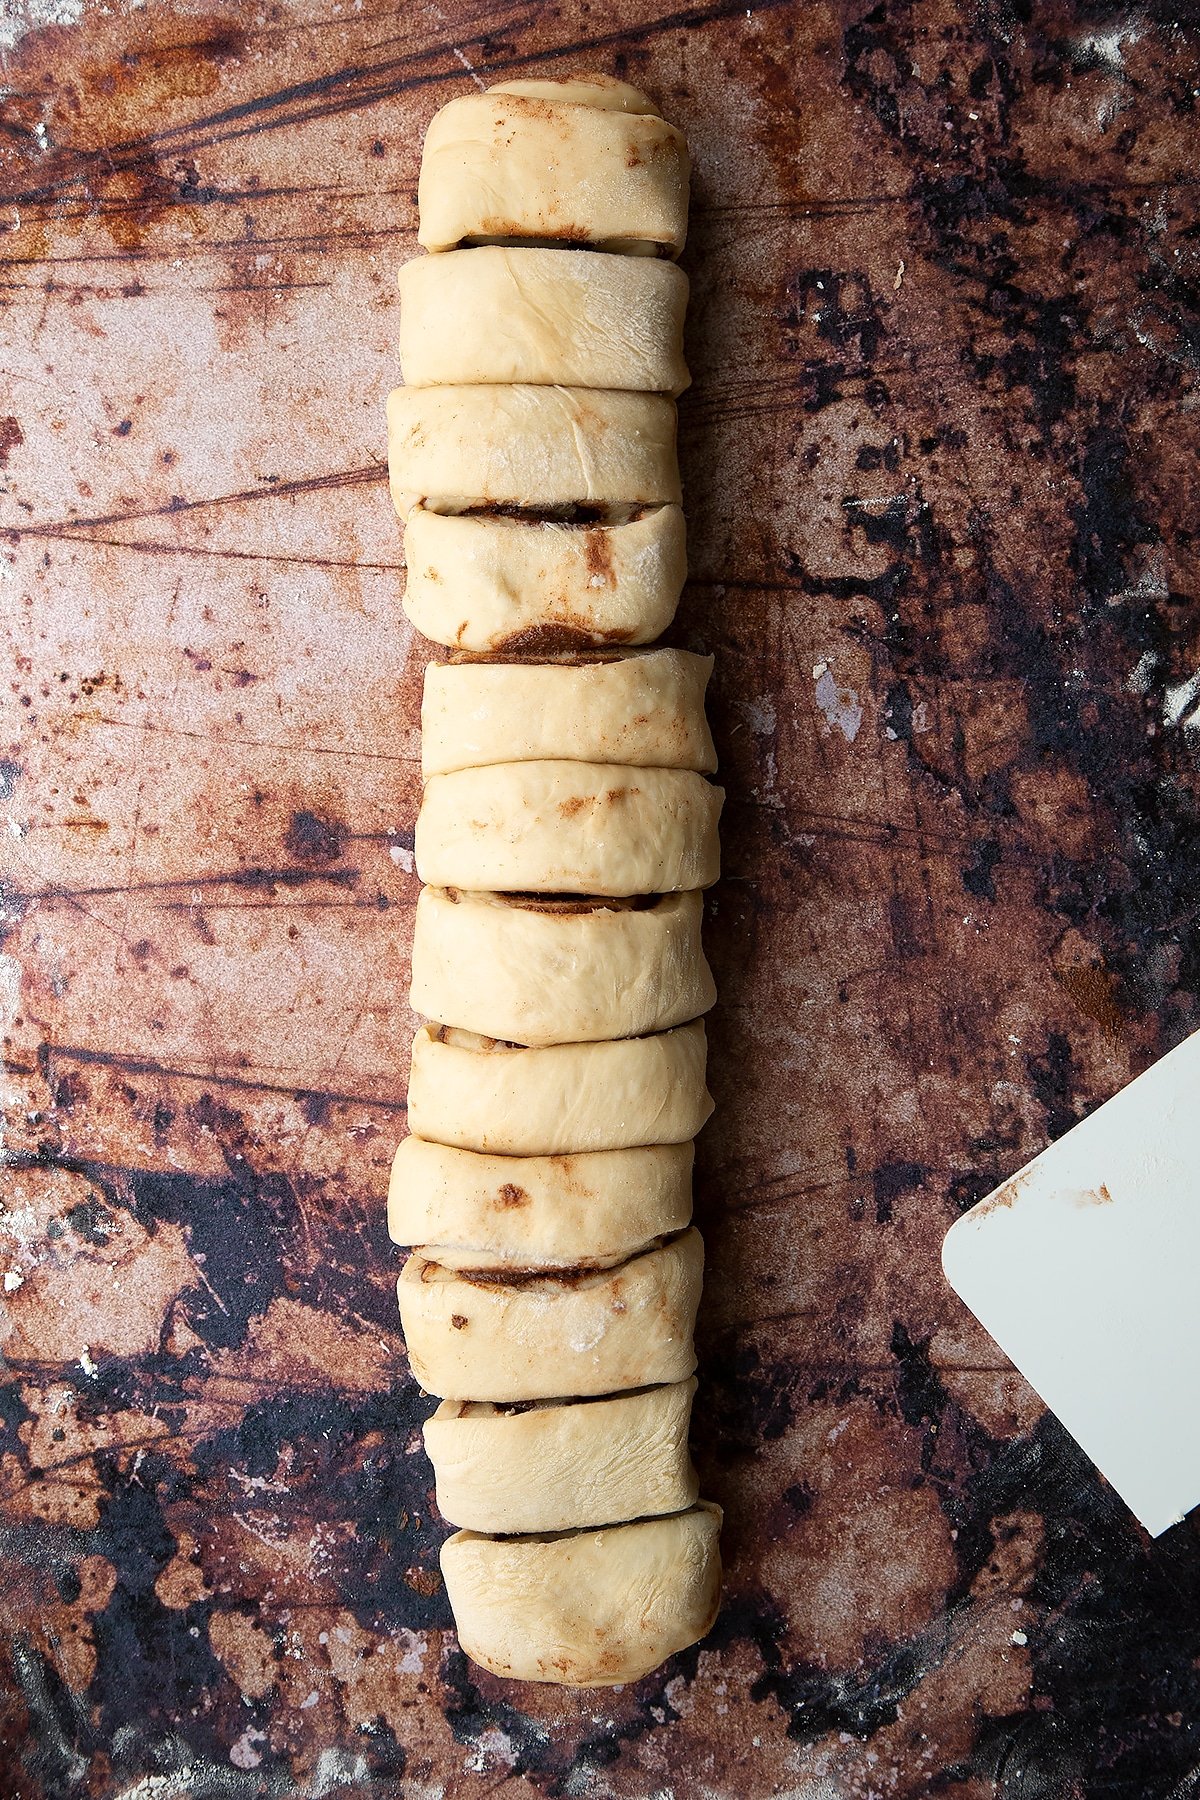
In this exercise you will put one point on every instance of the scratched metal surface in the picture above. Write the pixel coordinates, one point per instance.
(940, 460)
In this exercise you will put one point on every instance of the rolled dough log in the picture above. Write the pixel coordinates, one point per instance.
(552, 1466)
(569, 828)
(489, 445)
(545, 1337)
(575, 318)
(479, 583)
(565, 166)
(477, 1094)
(558, 972)
(473, 1211)
(586, 1608)
(644, 709)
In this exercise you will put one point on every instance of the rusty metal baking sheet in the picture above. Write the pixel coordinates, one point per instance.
(940, 459)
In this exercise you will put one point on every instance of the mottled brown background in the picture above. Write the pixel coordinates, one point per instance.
(941, 469)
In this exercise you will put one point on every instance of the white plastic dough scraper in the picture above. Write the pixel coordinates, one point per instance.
(1085, 1268)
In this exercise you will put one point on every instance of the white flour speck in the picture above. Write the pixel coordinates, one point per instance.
(760, 714)
(1142, 673)
(841, 706)
(1179, 700)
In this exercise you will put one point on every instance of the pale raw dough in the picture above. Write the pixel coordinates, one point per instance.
(545, 1337)
(569, 828)
(581, 90)
(473, 1211)
(642, 708)
(570, 168)
(558, 972)
(588, 1608)
(498, 584)
(471, 1092)
(554, 1466)
(536, 448)
(575, 318)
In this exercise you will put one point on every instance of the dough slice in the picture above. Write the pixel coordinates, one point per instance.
(518, 164)
(473, 1211)
(569, 828)
(479, 1095)
(578, 318)
(536, 448)
(644, 709)
(513, 585)
(587, 1608)
(558, 971)
(476, 1337)
(551, 1466)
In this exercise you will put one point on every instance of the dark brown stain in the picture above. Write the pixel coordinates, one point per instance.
(512, 1195)
(121, 177)
(425, 1582)
(11, 436)
(158, 67)
(1094, 990)
(313, 838)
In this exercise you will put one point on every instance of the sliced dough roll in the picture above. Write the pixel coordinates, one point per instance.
(588, 1608)
(497, 584)
(644, 709)
(554, 1466)
(569, 828)
(513, 163)
(476, 1337)
(457, 448)
(575, 318)
(589, 1210)
(558, 971)
(479, 1095)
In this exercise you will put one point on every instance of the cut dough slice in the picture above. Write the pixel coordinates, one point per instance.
(644, 709)
(570, 169)
(473, 1211)
(558, 971)
(576, 318)
(471, 1092)
(569, 828)
(589, 1608)
(476, 1337)
(551, 1466)
(488, 445)
(497, 584)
